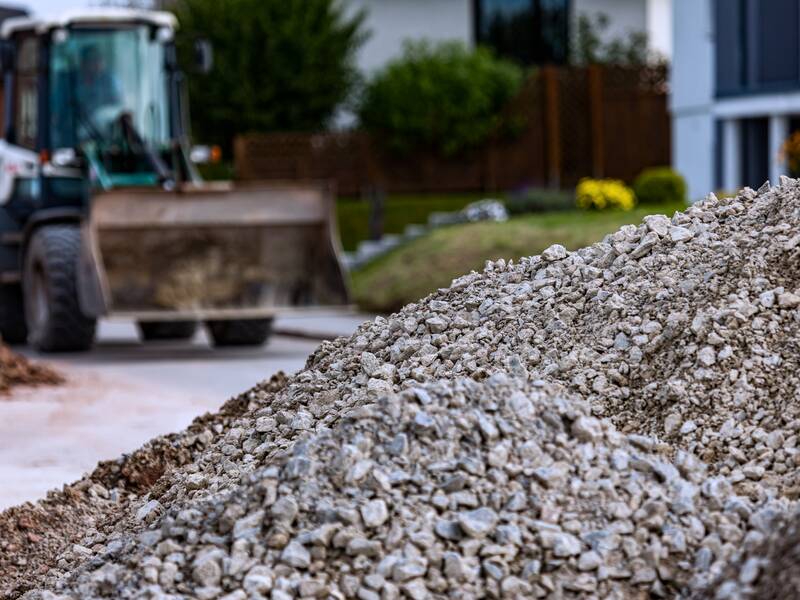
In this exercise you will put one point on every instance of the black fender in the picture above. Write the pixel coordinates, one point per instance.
(49, 216)
(10, 240)
(90, 290)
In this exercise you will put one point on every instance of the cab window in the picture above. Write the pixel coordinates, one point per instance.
(27, 93)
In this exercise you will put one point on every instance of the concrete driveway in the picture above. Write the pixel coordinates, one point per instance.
(125, 392)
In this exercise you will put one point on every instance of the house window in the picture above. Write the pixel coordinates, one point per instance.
(757, 47)
(755, 152)
(777, 42)
(729, 22)
(528, 31)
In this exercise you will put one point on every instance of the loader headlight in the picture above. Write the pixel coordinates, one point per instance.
(63, 157)
(203, 155)
(165, 34)
(60, 36)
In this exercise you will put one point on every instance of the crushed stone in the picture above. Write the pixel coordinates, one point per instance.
(475, 443)
(555, 502)
(769, 569)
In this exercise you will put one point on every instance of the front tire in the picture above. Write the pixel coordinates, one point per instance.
(244, 332)
(13, 329)
(167, 330)
(55, 320)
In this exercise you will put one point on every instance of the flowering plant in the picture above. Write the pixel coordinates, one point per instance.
(790, 153)
(600, 194)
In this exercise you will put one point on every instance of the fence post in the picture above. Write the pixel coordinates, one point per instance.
(240, 157)
(376, 197)
(370, 164)
(489, 182)
(597, 132)
(552, 125)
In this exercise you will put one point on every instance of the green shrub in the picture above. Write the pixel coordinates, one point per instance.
(659, 185)
(445, 98)
(538, 201)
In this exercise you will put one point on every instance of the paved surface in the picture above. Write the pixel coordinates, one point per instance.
(124, 392)
(320, 326)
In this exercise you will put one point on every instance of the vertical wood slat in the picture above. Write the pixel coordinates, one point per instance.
(241, 158)
(596, 119)
(490, 169)
(552, 125)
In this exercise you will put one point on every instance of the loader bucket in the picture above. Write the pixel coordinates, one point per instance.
(214, 251)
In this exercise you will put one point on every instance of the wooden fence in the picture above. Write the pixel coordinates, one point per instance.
(593, 121)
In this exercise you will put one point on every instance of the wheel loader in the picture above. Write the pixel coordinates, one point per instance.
(103, 212)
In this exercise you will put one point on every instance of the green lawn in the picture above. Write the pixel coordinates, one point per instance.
(433, 261)
(399, 211)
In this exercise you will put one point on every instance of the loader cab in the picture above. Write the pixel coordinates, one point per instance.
(92, 102)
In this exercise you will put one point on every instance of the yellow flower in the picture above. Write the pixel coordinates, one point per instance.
(790, 152)
(600, 194)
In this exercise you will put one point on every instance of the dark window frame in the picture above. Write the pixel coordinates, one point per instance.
(739, 52)
(537, 48)
(754, 151)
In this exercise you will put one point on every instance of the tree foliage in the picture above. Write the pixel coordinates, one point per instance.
(589, 48)
(278, 64)
(445, 98)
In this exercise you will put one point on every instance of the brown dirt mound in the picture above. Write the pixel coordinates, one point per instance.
(31, 534)
(17, 370)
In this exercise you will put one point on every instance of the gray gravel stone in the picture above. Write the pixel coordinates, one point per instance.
(680, 234)
(295, 555)
(554, 252)
(374, 513)
(478, 523)
(150, 511)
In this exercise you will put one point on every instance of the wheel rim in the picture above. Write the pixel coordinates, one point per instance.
(40, 309)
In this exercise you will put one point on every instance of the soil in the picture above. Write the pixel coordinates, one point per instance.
(31, 534)
(17, 370)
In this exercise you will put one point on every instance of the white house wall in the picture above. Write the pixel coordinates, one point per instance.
(692, 84)
(693, 152)
(391, 22)
(691, 100)
(659, 26)
(394, 21)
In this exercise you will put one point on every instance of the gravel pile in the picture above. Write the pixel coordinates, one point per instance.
(498, 488)
(770, 569)
(395, 473)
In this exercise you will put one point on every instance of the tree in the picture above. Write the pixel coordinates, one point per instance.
(588, 47)
(278, 64)
(443, 98)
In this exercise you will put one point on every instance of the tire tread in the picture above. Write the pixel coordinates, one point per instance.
(68, 328)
